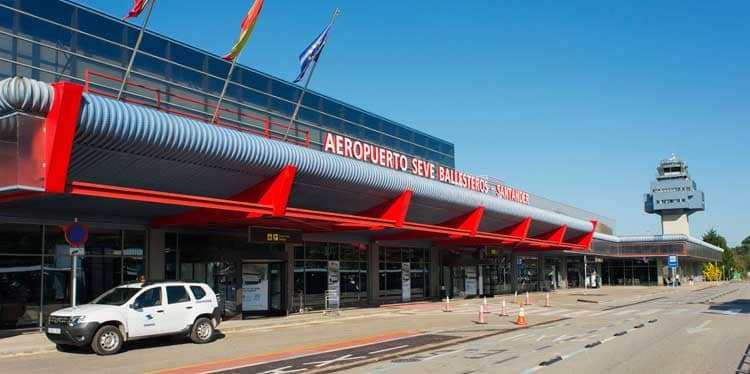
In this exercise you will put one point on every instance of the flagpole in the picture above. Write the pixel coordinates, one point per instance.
(224, 89)
(135, 50)
(307, 82)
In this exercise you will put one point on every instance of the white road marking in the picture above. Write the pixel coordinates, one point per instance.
(541, 337)
(553, 312)
(348, 357)
(676, 311)
(388, 349)
(700, 328)
(624, 312)
(283, 370)
(649, 312)
(577, 313)
(603, 312)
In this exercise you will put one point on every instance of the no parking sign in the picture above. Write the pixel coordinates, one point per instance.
(76, 234)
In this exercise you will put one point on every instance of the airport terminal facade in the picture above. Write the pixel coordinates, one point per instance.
(273, 218)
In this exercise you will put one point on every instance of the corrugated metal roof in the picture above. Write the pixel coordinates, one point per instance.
(130, 145)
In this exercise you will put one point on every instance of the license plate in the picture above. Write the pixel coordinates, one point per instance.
(53, 330)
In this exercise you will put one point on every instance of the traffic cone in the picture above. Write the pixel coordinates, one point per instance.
(484, 304)
(546, 301)
(504, 310)
(515, 296)
(528, 301)
(447, 307)
(481, 316)
(521, 320)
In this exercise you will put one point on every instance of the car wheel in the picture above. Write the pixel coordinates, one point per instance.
(203, 331)
(107, 340)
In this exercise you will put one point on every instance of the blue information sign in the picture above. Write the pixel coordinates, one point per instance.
(672, 261)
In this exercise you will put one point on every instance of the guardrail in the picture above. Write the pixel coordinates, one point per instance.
(180, 105)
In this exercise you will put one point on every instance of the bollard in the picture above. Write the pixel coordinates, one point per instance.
(484, 304)
(546, 301)
(528, 301)
(521, 320)
(504, 310)
(447, 304)
(481, 316)
(515, 296)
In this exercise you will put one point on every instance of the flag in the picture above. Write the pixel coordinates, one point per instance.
(247, 27)
(138, 7)
(312, 52)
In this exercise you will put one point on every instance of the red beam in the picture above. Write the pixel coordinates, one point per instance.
(585, 239)
(272, 192)
(554, 236)
(19, 195)
(394, 209)
(519, 230)
(60, 128)
(464, 225)
(507, 235)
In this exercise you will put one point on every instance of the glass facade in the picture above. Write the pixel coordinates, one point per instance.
(391, 260)
(35, 269)
(311, 273)
(630, 272)
(57, 40)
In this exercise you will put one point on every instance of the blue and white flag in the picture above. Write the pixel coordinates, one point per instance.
(312, 52)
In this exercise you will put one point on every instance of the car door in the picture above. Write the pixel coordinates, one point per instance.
(179, 308)
(145, 315)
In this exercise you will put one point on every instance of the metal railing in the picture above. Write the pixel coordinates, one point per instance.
(181, 105)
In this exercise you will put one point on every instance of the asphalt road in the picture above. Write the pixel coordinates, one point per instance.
(656, 330)
(667, 335)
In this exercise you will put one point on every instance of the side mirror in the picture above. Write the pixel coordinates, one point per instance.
(135, 305)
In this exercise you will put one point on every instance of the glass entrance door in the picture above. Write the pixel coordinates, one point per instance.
(263, 288)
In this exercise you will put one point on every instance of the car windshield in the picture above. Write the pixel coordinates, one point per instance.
(116, 296)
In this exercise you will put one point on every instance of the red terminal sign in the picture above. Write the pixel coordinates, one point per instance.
(76, 234)
(512, 194)
(347, 147)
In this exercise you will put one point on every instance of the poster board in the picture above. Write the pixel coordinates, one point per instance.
(254, 287)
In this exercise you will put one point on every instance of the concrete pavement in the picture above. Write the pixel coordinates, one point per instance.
(274, 340)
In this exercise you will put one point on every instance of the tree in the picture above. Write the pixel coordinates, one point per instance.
(729, 264)
(712, 237)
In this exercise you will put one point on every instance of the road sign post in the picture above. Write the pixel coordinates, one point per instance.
(672, 264)
(76, 235)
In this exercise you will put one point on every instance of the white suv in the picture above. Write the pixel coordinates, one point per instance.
(136, 311)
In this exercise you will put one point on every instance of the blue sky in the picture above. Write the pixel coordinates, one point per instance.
(574, 101)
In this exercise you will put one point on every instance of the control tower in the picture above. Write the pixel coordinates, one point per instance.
(674, 197)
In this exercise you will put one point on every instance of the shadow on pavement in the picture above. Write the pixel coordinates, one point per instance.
(732, 307)
(146, 344)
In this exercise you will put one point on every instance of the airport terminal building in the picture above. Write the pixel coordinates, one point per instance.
(344, 203)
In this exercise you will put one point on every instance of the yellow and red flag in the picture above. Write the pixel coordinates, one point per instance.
(138, 7)
(246, 28)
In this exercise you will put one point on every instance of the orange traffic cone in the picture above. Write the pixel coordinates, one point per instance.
(504, 310)
(528, 301)
(546, 301)
(481, 316)
(447, 307)
(521, 320)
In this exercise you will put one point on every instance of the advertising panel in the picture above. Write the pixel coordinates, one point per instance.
(406, 281)
(334, 282)
(254, 287)
(471, 280)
